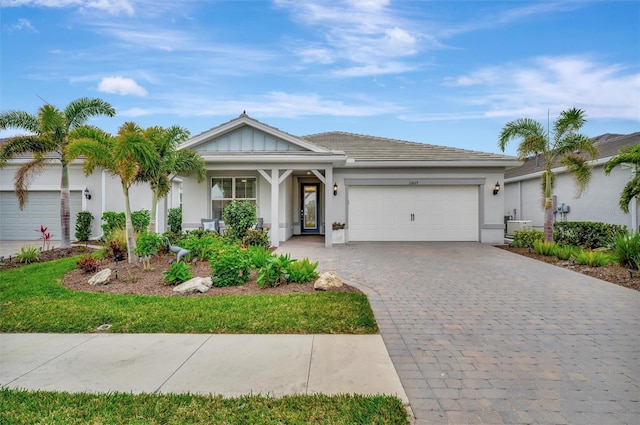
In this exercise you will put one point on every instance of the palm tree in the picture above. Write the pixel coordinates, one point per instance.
(566, 148)
(124, 155)
(171, 163)
(628, 155)
(48, 136)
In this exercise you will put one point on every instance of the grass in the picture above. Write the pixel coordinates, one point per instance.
(33, 300)
(25, 407)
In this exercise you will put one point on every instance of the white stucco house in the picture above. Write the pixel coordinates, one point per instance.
(599, 202)
(381, 189)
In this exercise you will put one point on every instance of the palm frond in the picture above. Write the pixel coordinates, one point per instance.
(522, 128)
(24, 176)
(19, 119)
(631, 190)
(188, 161)
(80, 110)
(628, 155)
(579, 169)
(568, 122)
(18, 145)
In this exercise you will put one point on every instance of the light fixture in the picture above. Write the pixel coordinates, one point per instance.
(496, 188)
(335, 189)
(87, 194)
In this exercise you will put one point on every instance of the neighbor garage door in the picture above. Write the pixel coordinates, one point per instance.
(413, 213)
(42, 207)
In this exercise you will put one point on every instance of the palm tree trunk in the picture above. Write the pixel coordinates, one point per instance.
(65, 208)
(154, 209)
(131, 237)
(548, 206)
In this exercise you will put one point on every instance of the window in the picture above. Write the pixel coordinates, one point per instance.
(224, 190)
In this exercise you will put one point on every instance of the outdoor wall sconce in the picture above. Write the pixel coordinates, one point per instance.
(87, 194)
(496, 188)
(335, 189)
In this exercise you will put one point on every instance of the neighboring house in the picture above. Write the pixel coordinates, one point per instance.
(43, 203)
(382, 189)
(599, 202)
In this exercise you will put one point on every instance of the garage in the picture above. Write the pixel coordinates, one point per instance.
(42, 207)
(413, 213)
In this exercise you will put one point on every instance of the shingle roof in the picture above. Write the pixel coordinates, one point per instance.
(608, 146)
(370, 148)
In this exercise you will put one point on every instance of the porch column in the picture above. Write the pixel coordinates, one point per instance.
(328, 207)
(275, 203)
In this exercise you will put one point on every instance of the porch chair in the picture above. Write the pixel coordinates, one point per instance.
(259, 223)
(212, 224)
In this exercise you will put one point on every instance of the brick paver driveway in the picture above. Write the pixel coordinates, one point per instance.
(481, 335)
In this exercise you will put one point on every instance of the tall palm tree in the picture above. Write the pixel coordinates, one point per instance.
(124, 155)
(567, 147)
(171, 163)
(48, 136)
(629, 155)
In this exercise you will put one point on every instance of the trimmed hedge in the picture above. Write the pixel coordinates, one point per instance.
(587, 234)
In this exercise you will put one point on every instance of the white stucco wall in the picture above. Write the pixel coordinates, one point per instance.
(599, 202)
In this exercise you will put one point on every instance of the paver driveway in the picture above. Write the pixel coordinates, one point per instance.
(481, 335)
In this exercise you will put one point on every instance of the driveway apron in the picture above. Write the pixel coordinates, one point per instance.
(479, 335)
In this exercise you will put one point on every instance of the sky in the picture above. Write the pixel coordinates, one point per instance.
(449, 73)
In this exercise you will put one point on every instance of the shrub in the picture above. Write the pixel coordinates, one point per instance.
(275, 271)
(627, 250)
(28, 254)
(177, 273)
(230, 266)
(239, 217)
(146, 246)
(257, 237)
(302, 271)
(587, 234)
(83, 225)
(116, 247)
(525, 238)
(593, 258)
(174, 220)
(140, 220)
(88, 264)
(258, 256)
(203, 247)
(112, 221)
(544, 248)
(564, 252)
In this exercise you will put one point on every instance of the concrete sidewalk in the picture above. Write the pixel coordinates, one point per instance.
(228, 365)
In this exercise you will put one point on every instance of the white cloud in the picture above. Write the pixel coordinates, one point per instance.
(22, 24)
(121, 86)
(551, 83)
(113, 7)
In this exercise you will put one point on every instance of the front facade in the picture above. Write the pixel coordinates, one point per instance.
(598, 203)
(380, 189)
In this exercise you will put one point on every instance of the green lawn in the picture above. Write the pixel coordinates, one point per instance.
(32, 300)
(22, 407)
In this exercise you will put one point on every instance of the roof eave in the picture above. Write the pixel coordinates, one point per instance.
(432, 164)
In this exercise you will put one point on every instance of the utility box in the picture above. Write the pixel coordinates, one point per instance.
(514, 226)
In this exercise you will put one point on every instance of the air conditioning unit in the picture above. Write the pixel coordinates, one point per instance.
(514, 226)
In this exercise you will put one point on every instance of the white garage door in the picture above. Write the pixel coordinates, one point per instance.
(42, 207)
(413, 213)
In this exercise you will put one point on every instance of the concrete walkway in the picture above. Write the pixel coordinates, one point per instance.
(479, 335)
(229, 365)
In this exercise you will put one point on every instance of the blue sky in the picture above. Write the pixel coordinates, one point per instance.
(441, 72)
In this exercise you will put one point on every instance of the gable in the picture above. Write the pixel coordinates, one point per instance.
(247, 139)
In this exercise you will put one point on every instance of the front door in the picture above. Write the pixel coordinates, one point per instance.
(310, 212)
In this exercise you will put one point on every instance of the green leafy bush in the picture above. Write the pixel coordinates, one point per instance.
(83, 225)
(591, 258)
(239, 217)
(110, 222)
(204, 246)
(230, 266)
(564, 252)
(258, 256)
(627, 250)
(146, 246)
(177, 273)
(544, 248)
(587, 234)
(525, 238)
(28, 254)
(88, 264)
(140, 220)
(302, 271)
(174, 220)
(116, 247)
(275, 271)
(257, 237)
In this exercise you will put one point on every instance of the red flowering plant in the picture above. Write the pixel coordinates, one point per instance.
(45, 236)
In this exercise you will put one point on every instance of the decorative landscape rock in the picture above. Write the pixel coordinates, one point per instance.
(100, 278)
(327, 281)
(197, 284)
